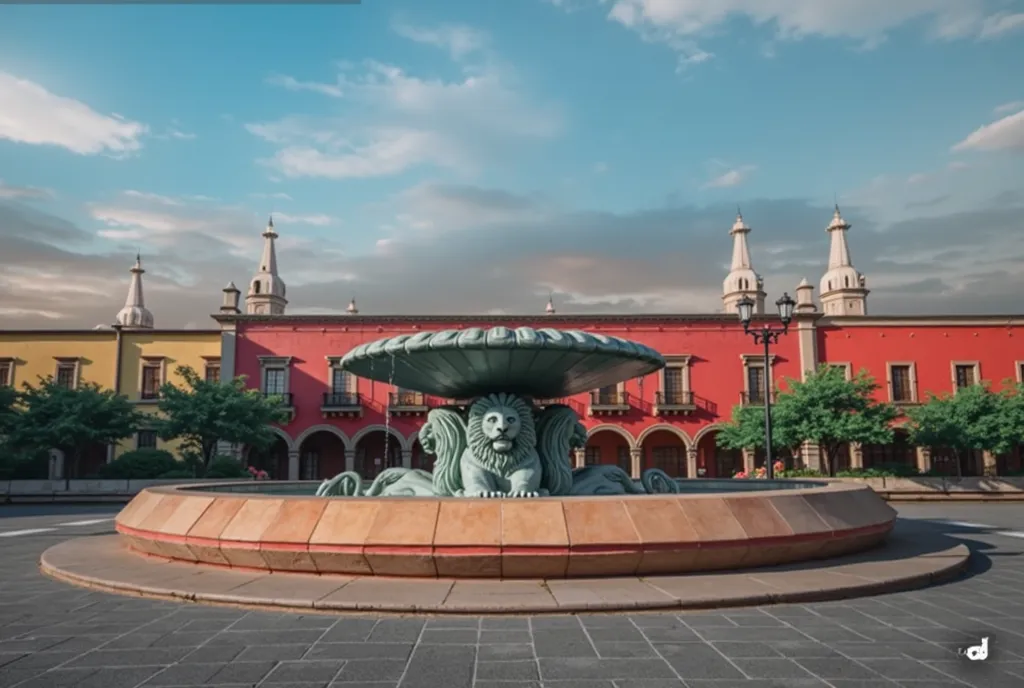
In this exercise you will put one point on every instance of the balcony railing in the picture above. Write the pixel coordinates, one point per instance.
(341, 400)
(609, 402)
(407, 401)
(755, 398)
(285, 397)
(677, 398)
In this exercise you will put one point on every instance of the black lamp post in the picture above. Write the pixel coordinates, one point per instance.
(767, 335)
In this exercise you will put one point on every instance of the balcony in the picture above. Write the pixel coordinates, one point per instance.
(755, 398)
(407, 403)
(341, 405)
(285, 400)
(609, 403)
(677, 402)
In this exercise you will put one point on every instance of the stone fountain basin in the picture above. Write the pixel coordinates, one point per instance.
(556, 537)
(543, 364)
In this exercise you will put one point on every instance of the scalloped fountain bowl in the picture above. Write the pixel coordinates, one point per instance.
(504, 500)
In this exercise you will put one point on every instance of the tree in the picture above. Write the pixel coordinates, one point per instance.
(830, 410)
(974, 418)
(204, 413)
(9, 409)
(1012, 408)
(746, 430)
(55, 417)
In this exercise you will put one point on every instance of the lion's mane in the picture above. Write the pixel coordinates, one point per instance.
(524, 445)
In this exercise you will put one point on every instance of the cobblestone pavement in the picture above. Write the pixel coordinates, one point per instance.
(55, 635)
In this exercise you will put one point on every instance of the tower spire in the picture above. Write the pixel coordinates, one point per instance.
(135, 314)
(843, 289)
(550, 308)
(741, 281)
(266, 289)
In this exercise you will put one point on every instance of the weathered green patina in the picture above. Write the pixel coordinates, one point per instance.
(501, 444)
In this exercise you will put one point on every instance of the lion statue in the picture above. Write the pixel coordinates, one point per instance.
(493, 450)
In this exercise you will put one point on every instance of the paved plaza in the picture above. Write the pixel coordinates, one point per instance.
(52, 634)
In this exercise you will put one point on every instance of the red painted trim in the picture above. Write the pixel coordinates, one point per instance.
(466, 550)
(335, 549)
(400, 550)
(284, 546)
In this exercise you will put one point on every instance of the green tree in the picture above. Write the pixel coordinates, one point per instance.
(204, 413)
(9, 409)
(973, 419)
(1011, 428)
(55, 417)
(746, 430)
(830, 410)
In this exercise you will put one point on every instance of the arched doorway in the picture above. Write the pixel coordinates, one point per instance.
(273, 459)
(321, 455)
(1011, 463)
(899, 452)
(87, 464)
(972, 463)
(377, 450)
(609, 446)
(665, 450)
(718, 462)
(421, 459)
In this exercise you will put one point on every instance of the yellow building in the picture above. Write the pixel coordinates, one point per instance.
(130, 356)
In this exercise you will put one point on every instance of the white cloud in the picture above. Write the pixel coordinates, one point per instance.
(317, 220)
(31, 114)
(600, 167)
(293, 84)
(397, 121)
(1013, 106)
(458, 39)
(24, 193)
(730, 178)
(680, 23)
(181, 135)
(279, 196)
(1004, 134)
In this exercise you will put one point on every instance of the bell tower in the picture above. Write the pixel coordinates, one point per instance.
(266, 294)
(844, 291)
(742, 281)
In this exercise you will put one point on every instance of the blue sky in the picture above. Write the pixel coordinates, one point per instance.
(599, 147)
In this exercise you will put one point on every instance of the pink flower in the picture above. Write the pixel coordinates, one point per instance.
(252, 470)
(779, 466)
(263, 475)
(741, 475)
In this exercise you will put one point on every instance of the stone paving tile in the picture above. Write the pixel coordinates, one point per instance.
(52, 635)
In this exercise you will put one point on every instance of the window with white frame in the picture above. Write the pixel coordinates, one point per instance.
(845, 367)
(67, 373)
(274, 381)
(1020, 371)
(965, 374)
(675, 380)
(902, 383)
(6, 372)
(211, 372)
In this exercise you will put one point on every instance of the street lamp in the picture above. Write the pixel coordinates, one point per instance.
(767, 335)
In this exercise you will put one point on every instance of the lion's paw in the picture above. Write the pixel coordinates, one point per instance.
(523, 494)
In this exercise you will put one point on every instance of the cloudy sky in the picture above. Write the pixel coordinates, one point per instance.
(460, 156)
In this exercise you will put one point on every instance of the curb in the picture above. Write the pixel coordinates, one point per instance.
(959, 554)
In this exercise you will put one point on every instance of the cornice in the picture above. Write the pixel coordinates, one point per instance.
(922, 321)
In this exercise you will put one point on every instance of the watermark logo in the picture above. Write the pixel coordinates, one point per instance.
(975, 653)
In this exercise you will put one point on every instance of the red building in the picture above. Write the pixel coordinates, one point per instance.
(666, 420)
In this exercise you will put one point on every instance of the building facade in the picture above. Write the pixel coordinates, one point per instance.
(666, 420)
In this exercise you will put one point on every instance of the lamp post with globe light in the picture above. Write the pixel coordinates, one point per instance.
(767, 335)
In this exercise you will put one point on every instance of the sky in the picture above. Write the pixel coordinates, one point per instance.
(458, 156)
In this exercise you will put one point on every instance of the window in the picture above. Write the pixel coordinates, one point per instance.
(309, 466)
(273, 381)
(67, 374)
(255, 287)
(901, 382)
(592, 456)
(6, 373)
(213, 371)
(845, 367)
(1020, 371)
(755, 384)
(965, 375)
(672, 460)
(151, 382)
(341, 381)
(145, 439)
(625, 461)
(608, 395)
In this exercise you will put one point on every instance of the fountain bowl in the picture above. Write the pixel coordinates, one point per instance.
(283, 527)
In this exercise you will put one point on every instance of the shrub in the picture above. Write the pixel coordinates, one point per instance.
(140, 464)
(20, 466)
(182, 473)
(226, 467)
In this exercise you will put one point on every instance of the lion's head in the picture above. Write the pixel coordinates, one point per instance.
(501, 431)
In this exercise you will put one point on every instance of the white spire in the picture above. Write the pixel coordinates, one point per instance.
(740, 251)
(550, 308)
(742, 281)
(135, 314)
(843, 289)
(266, 289)
(839, 252)
(352, 309)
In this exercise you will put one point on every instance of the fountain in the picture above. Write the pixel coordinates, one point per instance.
(504, 500)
